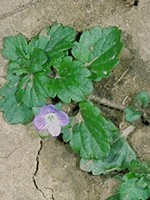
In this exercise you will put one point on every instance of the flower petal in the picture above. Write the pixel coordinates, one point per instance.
(39, 123)
(62, 118)
(48, 109)
(54, 129)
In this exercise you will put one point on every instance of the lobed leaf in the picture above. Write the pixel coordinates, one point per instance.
(142, 99)
(139, 167)
(71, 81)
(136, 183)
(32, 90)
(91, 138)
(99, 50)
(131, 114)
(118, 159)
(98, 142)
(14, 112)
(52, 43)
(37, 59)
(15, 47)
(67, 130)
(60, 39)
(134, 188)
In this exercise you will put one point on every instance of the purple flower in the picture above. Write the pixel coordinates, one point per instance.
(50, 119)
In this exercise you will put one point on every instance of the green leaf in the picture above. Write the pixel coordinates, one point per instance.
(142, 99)
(66, 134)
(67, 130)
(71, 81)
(35, 110)
(13, 111)
(118, 159)
(24, 57)
(58, 106)
(32, 90)
(29, 66)
(38, 42)
(139, 167)
(91, 138)
(15, 68)
(134, 188)
(99, 50)
(15, 47)
(54, 40)
(136, 183)
(131, 114)
(37, 59)
(60, 39)
(76, 141)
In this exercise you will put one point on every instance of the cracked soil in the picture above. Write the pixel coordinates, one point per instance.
(31, 169)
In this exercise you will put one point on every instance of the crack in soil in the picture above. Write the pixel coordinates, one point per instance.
(37, 168)
(36, 186)
(52, 192)
(17, 10)
(37, 157)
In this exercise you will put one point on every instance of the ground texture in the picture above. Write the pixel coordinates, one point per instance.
(34, 170)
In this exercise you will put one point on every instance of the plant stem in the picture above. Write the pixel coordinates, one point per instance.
(106, 102)
(127, 131)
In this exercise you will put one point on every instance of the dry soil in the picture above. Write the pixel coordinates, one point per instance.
(34, 170)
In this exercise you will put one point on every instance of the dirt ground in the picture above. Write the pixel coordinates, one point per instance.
(35, 170)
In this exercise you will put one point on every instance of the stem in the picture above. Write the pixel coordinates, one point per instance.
(127, 131)
(106, 102)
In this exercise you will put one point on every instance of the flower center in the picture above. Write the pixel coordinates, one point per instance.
(51, 118)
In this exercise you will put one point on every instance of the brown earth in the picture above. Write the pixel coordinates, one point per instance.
(35, 170)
